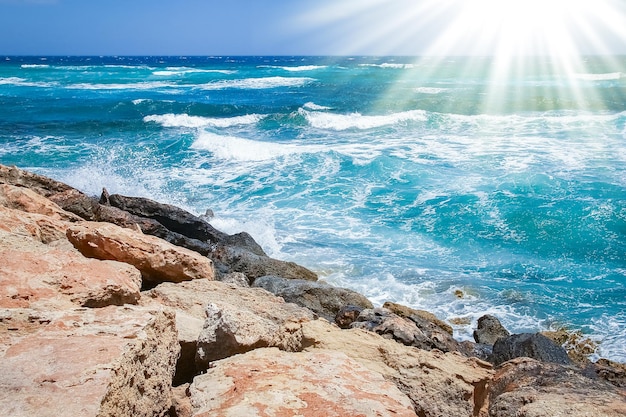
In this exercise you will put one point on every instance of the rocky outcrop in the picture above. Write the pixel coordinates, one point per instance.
(438, 384)
(489, 330)
(269, 382)
(113, 361)
(525, 387)
(531, 345)
(157, 260)
(319, 297)
(421, 318)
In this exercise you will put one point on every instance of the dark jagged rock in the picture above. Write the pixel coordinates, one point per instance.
(418, 316)
(173, 218)
(531, 345)
(612, 372)
(347, 315)
(489, 330)
(392, 326)
(529, 388)
(321, 298)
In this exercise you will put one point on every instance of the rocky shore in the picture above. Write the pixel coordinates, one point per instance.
(123, 306)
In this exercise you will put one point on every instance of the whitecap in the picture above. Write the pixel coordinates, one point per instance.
(304, 68)
(389, 65)
(114, 86)
(257, 83)
(28, 66)
(174, 71)
(21, 82)
(334, 121)
(239, 149)
(312, 106)
(185, 120)
(600, 77)
(429, 90)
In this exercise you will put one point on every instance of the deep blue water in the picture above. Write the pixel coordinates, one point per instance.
(406, 179)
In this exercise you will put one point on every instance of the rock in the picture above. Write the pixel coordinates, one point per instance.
(413, 331)
(236, 278)
(112, 361)
(531, 345)
(268, 382)
(68, 198)
(411, 313)
(489, 330)
(438, 384)
(612, 372)
(347, 315)
(32, 226)
(323, 299)
(578, 347)
(525, 387)
(173, 218)
(277, 323)
(23, 199)
(36, 275)
(157, 260)
(256, 319)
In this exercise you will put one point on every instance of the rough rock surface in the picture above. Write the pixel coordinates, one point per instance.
(531, 345)
(525, 387)
(319, 297)
(26, 200)
(157, 260)
(438, 384)
(271, 383)
(113, 361)
(417, 315)
(347, 315)
(36, 275)
(489, 330)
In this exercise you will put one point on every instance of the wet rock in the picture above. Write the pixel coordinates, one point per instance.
(531, 345)
(112, 361)
(157, 260)
(489, 330)
(323, 299)
(525, 387)
(417, 316)
(314, 384)
(438, 384)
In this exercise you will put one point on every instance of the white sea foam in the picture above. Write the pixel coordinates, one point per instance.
(304, 68)
(600, 77)
(118, 86)
(185, 120)
(240, 149)
(390, 65)
(257, 83)
(312, 106)
(28, 66)
(334, 121)
(139, 101)
(429, 90)
(21, 82)
(174, 71)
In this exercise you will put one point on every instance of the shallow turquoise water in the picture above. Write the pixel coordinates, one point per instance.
(402, 178)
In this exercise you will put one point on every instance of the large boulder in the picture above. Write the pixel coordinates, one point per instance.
(321, 298)
(438, 384)
(36, 275)
(269, 382)
(525, 387)
(33, 226)
(157, 260)
(107, 362)
(24, 199)
(531, 345)
(489, 330)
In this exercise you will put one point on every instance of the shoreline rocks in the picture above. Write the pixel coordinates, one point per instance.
(75, 323)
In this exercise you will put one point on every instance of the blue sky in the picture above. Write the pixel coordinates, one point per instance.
(298, 27)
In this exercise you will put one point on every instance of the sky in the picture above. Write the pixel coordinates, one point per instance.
(311, 27)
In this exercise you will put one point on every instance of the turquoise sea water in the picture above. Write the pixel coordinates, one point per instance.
(405, 179)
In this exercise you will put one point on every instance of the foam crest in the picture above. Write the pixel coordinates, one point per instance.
(600, 77)
(22, 82)
(430, 90)
(185, 120)
(333, 121)
(117, 86)
(312, 106)
(257, 83)
(304, 68)
(389, 65)
(174, 71)
(234, 148)
(28, 66)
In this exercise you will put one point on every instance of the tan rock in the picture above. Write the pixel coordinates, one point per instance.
(24, 199)
(157, 260)
(113, 361)
(407, 312)
(35, 226)
(438, 384)
(524, 387)
(35, 275)
(272, 383)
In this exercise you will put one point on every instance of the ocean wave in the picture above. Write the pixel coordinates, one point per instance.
(119, 86)
(312, 106)
(29, 66)
(297, 68)
(600, 77)
(389, 65)
(174, 71)
(22, 82)
(429, 90)
(234, 148)
(185, 120)
(334, 121)
(257, 83)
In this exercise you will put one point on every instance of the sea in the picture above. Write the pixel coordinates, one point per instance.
(457, 185)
